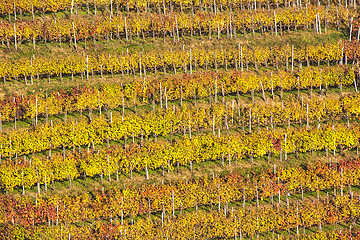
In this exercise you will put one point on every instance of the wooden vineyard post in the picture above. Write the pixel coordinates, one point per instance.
(292, 58)
(73, 28)
(275, 25)
(215, 94)
(249, 120)
(126, 32)
(147, 172)
(15, 35)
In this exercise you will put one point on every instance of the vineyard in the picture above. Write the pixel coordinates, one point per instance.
(172, 119)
